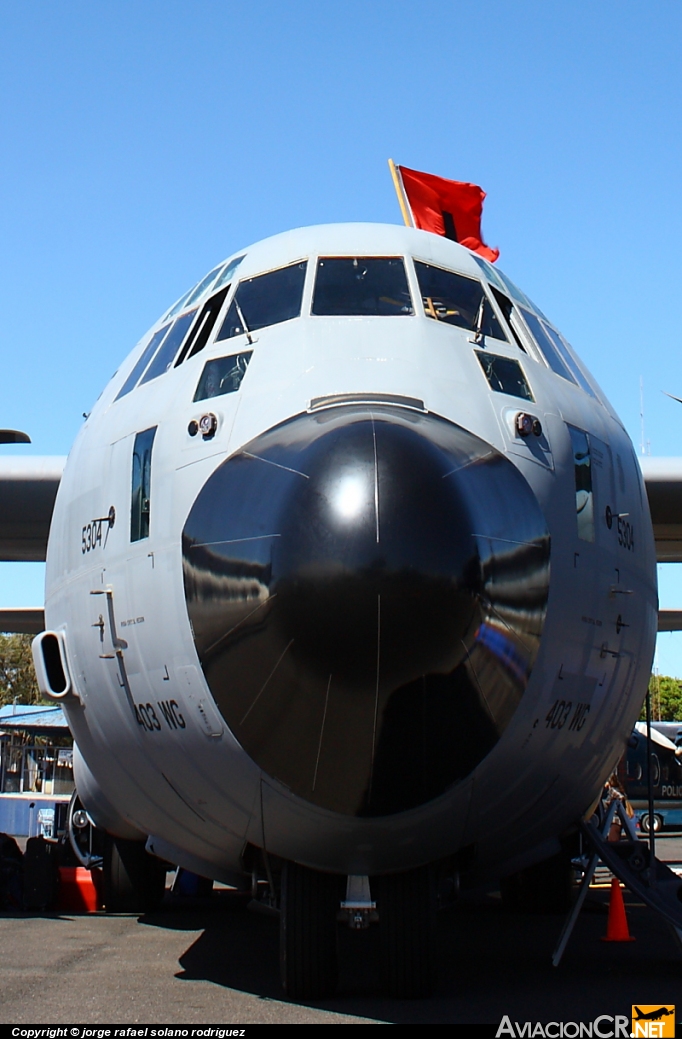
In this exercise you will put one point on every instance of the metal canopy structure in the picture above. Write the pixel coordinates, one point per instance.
(33, 718)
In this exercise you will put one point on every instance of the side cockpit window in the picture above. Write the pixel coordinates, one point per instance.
(361, 286)
(140, 497)
(222, 375)
(203, 327)
(546, 346)
(215, 279)
(457, 300)
(267, 299)
(144, 359)
(564, 351)
(168, 349)
(183, 337)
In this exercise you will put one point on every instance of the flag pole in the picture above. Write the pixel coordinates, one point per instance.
(400, 192)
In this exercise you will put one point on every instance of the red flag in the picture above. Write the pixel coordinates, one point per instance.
(451, 208)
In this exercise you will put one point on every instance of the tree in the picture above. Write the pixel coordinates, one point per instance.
(666, 699)
(17, 677)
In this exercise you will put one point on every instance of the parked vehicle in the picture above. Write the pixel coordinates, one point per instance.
(666, 763)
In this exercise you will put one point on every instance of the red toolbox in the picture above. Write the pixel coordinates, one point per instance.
(80, 890)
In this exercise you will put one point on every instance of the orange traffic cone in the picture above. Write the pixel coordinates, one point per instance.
(617, 927)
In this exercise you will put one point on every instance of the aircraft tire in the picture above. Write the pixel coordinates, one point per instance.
(308, 934)
(406, 907)
(134, 882)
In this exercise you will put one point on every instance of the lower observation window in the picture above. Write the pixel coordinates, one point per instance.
(505, 375)
(361, 286)
(222, 375)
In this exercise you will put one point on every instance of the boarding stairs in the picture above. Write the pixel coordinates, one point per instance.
(630, 859)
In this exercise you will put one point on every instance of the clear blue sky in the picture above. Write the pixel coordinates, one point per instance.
(144, 141)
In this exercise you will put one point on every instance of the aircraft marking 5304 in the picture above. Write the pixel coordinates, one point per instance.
(91, 534)
(624, 529)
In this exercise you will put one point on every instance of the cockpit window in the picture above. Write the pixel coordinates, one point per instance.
(546, 346)
(504, 375)
(513, 290)
(222, 375)
(203, 286)
(227, 273)
(490, 273)
(193, 293)
(507, 307)
(144, 359)
(203, 327)
(221, 272)
(552, 346)
(169, 347)
(568, 357)
(354, 286)
(457, 300)
(264, 300)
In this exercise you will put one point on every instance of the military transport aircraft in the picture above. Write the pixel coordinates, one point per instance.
(350, 591)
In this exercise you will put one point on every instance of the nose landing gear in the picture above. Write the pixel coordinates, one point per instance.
(310, 906)
(308, 940)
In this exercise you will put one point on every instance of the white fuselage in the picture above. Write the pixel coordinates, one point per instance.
(161, 758)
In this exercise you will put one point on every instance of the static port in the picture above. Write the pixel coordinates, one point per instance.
(193, 428)
(537, 427)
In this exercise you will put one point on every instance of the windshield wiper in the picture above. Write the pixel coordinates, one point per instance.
(243, 321)
(478, 330)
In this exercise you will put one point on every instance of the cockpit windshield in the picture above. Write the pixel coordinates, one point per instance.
(361, 286)
(457, 300)
(265, 300)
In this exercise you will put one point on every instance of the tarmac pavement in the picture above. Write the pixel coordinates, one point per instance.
(214, 962)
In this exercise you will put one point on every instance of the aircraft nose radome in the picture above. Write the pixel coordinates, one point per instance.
(367, 589)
